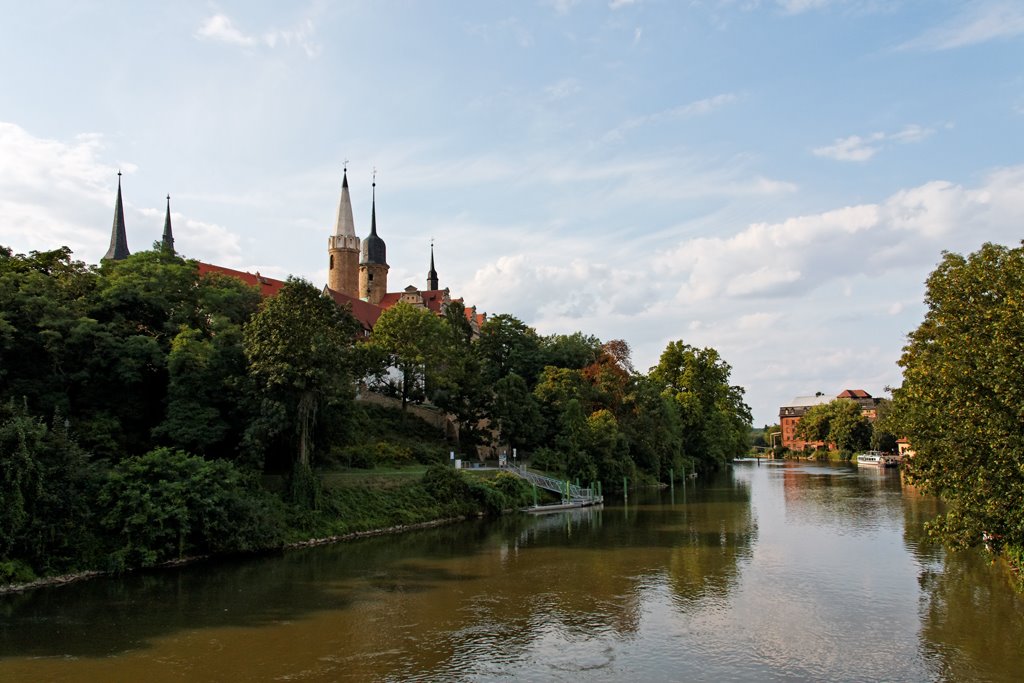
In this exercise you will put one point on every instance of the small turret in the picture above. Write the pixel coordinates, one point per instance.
(118, 250)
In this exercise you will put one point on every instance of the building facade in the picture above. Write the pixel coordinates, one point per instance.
(791, 414)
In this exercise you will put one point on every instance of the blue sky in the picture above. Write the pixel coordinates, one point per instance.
(773, 178)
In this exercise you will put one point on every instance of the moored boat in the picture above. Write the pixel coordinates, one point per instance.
(877, 459)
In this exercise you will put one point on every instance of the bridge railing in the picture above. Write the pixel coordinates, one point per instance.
(566, 489)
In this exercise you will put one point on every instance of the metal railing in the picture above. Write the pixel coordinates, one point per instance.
(570, 492)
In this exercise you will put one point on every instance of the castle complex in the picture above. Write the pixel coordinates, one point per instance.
(357, 274)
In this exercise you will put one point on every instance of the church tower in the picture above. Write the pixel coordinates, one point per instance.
(118, 250)
(167, 243)
(431, 274)
(343, 273)
(373, 268)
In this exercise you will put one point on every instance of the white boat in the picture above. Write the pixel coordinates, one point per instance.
(877, 459)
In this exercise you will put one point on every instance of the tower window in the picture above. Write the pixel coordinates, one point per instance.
(370, 277)
(332, 261)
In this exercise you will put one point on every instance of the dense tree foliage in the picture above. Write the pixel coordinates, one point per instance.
(713, 416)
(299, 352)
(839, 423)
(410, 340)
(961, 403)
(140, 402)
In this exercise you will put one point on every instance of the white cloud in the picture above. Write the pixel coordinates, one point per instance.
(619, 4)
(221, 29)
(52, 192)
(55, 193)
(980, 23)
(853, 148)
(858, 148)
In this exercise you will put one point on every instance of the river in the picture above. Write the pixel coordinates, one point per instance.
(777, 572)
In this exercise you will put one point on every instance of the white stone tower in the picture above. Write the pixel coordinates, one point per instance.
(343, 247)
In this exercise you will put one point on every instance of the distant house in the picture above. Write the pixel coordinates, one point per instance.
(903, 447)
(789, 418)
(791, 414)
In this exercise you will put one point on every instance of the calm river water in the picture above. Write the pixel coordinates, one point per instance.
(787, 572)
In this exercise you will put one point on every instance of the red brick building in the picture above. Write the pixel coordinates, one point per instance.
(791, 414)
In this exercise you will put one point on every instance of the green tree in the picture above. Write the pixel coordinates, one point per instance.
(506, 345)
(574, 351)
(839, 423)
(713, 417)
(299, 352)
(167, 504)
(458, 387)
(961, 397)
(849, 428)
(410, 339)
(883, 432)
(515, 411)
(47, 488)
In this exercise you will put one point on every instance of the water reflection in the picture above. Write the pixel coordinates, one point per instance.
(795, 572)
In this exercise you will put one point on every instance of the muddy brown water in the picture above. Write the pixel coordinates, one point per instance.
(783, 572)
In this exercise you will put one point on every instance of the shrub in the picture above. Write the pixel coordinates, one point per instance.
(516, 491)
(167, 504)
(445, 484)
(15, 571)
(389, 453)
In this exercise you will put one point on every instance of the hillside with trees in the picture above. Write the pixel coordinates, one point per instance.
(143, 406)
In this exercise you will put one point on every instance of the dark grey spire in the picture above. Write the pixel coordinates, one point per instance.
(167, 244)
(431, 274)
(374, 249)
(118, 239)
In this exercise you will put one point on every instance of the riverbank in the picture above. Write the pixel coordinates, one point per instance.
(65, 579)
(357, 508)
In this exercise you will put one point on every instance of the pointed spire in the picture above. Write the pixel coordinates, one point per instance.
(374, 249)
(431, 274)
(373, 205)
(167, 243)
(118, 238)
(344, 225)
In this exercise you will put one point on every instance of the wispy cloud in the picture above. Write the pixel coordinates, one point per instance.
(221, 29)
(863, 148)
(619, 4)
(981, 23)
(695, 108)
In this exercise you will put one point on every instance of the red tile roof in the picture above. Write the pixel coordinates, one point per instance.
(365, 312)
(267, 286)
(854, 393)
